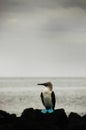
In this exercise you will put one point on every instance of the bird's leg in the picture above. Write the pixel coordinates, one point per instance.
(44, 111)
(50, 110)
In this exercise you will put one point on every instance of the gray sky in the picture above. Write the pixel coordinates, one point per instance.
(43, 38)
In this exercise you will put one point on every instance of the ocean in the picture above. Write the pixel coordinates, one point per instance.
(16, 94)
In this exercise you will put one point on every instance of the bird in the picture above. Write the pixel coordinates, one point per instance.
(48, 97)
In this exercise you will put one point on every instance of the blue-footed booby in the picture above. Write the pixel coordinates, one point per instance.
(48, 97)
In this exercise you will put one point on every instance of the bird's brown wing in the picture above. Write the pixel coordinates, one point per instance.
(53, 99)
(42, 98)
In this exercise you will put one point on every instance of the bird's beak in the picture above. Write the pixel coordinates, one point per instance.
(41, 84)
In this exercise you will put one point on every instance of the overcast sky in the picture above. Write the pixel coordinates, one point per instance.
(42, 38)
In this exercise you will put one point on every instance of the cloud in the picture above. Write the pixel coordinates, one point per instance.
(45, 18)
(64, 20)
(56, 28)
(75, 3)
(31, 5)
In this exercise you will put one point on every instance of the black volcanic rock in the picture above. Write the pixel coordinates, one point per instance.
(6, 120)
(76, 122)
(31, 119)
(6, 117)
(57, 119)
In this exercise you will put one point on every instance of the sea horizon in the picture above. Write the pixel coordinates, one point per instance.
(18, 93)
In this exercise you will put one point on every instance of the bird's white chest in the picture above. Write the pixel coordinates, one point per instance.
(47, 97)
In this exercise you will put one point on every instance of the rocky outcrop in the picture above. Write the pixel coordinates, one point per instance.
(76, 122)
(33, 119)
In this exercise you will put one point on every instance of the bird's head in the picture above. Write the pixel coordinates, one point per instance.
(48, 85)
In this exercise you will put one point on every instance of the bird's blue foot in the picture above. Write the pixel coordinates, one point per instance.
(50, 110)
(44, 111)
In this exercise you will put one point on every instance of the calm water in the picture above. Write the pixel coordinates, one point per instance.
(16, 94)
